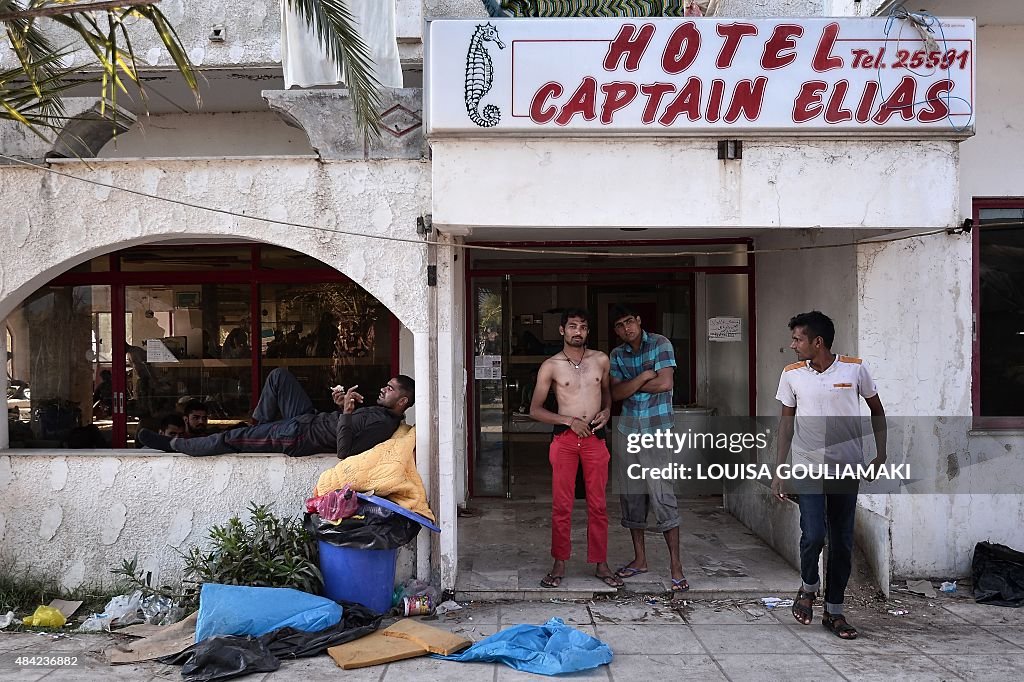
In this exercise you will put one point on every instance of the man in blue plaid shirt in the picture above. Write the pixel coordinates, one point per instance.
(642, 376)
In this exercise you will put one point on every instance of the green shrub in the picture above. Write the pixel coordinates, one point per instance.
(267, 551)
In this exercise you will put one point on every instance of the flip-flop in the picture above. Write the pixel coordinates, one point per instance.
(611, 580)
(680, 585)
(551, 580)
(629, 572)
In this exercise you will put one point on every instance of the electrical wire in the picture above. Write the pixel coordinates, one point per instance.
(484, 247)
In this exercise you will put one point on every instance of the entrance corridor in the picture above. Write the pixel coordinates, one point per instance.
(504, 551)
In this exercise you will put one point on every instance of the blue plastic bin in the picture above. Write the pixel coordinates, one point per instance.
(363, 576)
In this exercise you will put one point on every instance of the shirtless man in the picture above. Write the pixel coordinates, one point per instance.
(580, 380)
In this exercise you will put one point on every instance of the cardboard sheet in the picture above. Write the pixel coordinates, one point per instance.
(434, 640)
(171, 639)
(374, 649)
(67, 608)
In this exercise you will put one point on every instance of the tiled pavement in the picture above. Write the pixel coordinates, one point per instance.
(504, 551)
(942, 639)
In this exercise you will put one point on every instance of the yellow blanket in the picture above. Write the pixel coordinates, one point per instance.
(388, 469)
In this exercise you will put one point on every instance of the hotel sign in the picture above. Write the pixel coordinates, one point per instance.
(701, 76)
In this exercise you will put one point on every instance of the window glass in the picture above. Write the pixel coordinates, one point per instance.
(326, 334)
(1001, 314)
(187, 343)
(58, 369)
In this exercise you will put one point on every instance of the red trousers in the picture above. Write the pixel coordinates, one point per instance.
(566, 452)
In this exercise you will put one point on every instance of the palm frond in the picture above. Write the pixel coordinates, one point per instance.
(20, 98)
(336, 31)
(32, 48)
(108, 41)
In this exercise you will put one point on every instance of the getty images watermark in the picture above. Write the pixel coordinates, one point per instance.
(675, 443)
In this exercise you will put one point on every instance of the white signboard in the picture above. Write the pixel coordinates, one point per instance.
(488, 366)
(725, 329)
(689, 76)
(157, 351)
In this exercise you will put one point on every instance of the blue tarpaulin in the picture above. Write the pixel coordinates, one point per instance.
(550, 649)
(242, 610)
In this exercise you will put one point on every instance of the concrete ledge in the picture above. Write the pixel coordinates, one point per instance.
(328, 119)
(872, 534)
(75, 514)
(775, 521)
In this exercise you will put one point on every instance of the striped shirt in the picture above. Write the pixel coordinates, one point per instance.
(644, 411)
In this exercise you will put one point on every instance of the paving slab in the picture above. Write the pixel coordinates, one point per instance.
(789, 667)
(633, 612)
(649, 639)
(983, 614)
(538, 613)
(1011, 633)
(870, 641)
(507, 674)
(749, 639)
(957, 640)
(474, 612)
(24, 674)
(728, 614)
(635, 667)
(988, 667)
(425, 668)
(885, 668)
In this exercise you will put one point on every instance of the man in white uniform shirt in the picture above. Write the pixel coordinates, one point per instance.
(820, 395)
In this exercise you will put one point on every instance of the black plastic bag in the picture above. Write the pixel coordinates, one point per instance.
(356, 621)
(225, 657)
(998, 574)
(222, 658)
(372, 527)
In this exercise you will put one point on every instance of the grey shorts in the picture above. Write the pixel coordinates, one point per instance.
(648, 496)
(663, 504)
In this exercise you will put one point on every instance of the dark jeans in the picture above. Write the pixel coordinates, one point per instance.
(280, 428)
(828, 515)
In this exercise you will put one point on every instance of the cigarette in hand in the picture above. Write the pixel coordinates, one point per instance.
(339, 387)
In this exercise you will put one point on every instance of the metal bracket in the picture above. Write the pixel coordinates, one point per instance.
(424, 225)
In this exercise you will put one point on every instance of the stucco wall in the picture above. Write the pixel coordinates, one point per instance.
(253, 33)
(622, 182)
(791, 282)
(990, 161)
(919, 343)
(769, 8)
(54, 222)
(76, 516)
(453, 9)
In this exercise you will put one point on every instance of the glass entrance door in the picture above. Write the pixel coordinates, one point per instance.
(515, 325)
(489, 468)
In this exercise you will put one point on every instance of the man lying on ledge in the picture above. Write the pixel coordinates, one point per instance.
(286, 422)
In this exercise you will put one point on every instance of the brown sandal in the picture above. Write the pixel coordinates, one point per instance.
(803, 607)
(839, 626)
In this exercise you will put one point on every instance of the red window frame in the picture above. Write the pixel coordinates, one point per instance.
(254, 275)
(980, 421)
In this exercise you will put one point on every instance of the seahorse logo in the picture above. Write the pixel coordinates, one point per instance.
(480, 76)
